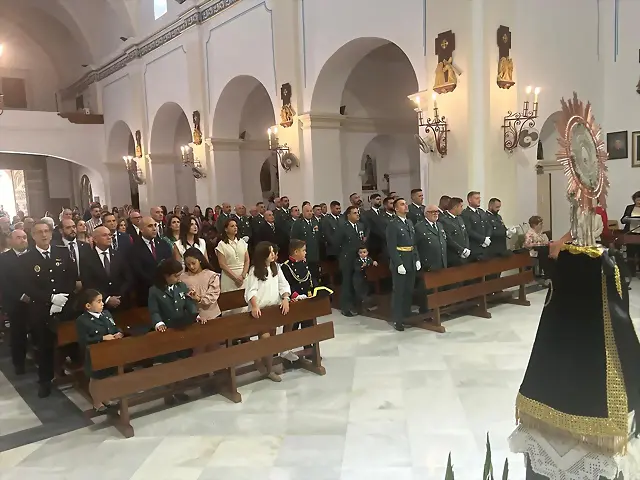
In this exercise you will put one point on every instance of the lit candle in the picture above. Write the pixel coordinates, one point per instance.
(269, 134)
(536, 93)
(434, 95)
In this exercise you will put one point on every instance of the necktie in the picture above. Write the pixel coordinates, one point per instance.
(153, 249)
(106, 262)
(46, 255)
(273, 227)
(72, 251)
(114, 241)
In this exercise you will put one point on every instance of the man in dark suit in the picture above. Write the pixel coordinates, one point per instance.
(49, 279)
(416, 208)
(270, 232)
(475, 219)
(257, 221)
(74, 247)
(120, 241)
(158, 215)
(144, 255)
(351, 235)
(133, 225)
(404, 263)
(67, 213)
(329, 226)
(225, 214)
(456, 232)
(372, 218)
(306, 228)
(14, 299)
(106, 270)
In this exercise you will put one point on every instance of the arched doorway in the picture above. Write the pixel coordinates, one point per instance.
(173, 182)
(123, 187)
(242, 116)
(366, 82)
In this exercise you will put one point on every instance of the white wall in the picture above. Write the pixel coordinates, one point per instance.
(23, 58)
(60, 177)
(97, 184)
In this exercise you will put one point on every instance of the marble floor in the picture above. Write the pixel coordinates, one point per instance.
(392, 406)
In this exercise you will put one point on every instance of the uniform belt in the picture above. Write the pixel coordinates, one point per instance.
(404, 249)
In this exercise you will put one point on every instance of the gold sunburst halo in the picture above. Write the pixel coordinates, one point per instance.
(575, 112)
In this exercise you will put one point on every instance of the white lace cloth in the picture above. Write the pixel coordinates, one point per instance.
(568, 459)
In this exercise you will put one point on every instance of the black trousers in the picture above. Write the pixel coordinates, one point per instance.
(360, 287)
(402, 293)
(19, 328)
(45, 340)
(314, 270)
(347, 291)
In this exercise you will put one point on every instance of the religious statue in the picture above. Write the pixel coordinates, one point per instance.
(286, 112)
(580, 393)
(138, 144)
(446, 79)
(197, 133)
(369, 180)
(505, 64)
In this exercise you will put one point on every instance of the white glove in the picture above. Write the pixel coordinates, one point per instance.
(418, 265)
(402, 270)
(246, 239)
(511, 232)
(465, 253)
(54, 309)
(300, 297)
(487, 242)
(59, 299)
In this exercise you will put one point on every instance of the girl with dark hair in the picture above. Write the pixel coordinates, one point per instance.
(209, 217)
(115, 211)
(203, 284)
(188, 238)
(266, 286)
(197, 213)
(122, 225)
(95, 325)
(173, 230)
(217, 211)
(164, 211)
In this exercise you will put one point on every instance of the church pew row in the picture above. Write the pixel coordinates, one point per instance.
(147, 384)
(452, 286)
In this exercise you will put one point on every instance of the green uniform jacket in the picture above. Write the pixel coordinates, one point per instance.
(330, 231)
(308, 231)
(478, 229)
(432, 246)
(349, 242)
(244, 225)
(172, 307)
(416, 213)
(401, 234)
(91, 330)
(498, 234)
(220, 222)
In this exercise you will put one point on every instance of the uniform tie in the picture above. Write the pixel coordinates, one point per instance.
(106, 262)
(46, 255)
(72, 251)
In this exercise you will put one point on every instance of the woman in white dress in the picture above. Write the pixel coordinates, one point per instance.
(189, 239)
(233, 257)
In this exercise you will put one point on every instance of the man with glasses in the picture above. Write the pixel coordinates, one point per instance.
(133, 227)
(431, 241)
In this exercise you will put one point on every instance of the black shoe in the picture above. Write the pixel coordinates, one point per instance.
(170, 400)
(348, 314)
(399, 326)
(100, 410)
(44, 390)
(181, 397)
(20, 370)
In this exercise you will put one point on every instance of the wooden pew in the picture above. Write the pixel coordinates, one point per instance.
(140, 386)
(480, 290)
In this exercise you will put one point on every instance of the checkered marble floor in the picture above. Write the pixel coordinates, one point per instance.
(392, 406)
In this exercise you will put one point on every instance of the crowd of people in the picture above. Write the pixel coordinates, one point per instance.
(84, 266)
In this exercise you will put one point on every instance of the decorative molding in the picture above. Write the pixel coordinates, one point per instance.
(196, 16)
(545, 166)
(330, 121)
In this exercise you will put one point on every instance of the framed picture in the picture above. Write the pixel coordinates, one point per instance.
(635, 149)
(617, 147)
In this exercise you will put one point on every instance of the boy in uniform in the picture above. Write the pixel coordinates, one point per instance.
(360, 283)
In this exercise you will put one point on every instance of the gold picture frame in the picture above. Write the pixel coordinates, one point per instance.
(635, 149)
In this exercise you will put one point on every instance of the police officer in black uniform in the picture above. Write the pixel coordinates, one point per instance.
(404, 262)
(50, 278)
(475, 219)
(306, 228)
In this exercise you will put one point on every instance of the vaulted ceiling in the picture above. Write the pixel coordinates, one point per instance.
(72, 32)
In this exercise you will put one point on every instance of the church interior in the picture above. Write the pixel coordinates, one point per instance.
(134, 104)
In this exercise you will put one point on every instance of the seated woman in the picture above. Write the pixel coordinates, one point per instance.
(203, 284)
(266, 286)
(188, 238)
(95, 325)
(170, 306)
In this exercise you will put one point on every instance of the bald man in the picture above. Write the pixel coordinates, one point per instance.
(144, 255)
(14, 299)
(431, 240)
(243, 221)
(158, 215)
(225, 214)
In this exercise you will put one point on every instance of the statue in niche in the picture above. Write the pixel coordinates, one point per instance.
(197, 133)
(138, 144)
(369, 174)
(286, 112)
(446, 79)
(505, 64)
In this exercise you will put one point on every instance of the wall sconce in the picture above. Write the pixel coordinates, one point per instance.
(189, 160)
(274, 143)
(435, 128)
(514, 123)
(133, 169)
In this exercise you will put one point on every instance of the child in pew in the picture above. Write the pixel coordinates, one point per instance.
(170, 306)
(267, 286)
(360, 283)
(96, 325)
(296, 271)
(203, 284)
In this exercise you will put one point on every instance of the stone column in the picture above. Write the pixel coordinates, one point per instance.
(227, 176)
(136, 72)
(161, 181)
(118, 180)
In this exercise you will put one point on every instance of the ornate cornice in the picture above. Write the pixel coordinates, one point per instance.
(196, 16)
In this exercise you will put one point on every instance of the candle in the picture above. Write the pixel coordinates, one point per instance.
(536, 93)
(435, 102)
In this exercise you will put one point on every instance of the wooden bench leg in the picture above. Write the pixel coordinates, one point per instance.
(482, 309)
(229, 387)
(315, 364)
(123, 423)
(433, 325)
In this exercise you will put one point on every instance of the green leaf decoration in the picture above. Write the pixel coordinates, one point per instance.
(505, 470)
(449, 474)
(488, 467)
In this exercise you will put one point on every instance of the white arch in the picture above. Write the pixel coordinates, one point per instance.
(163, 131)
